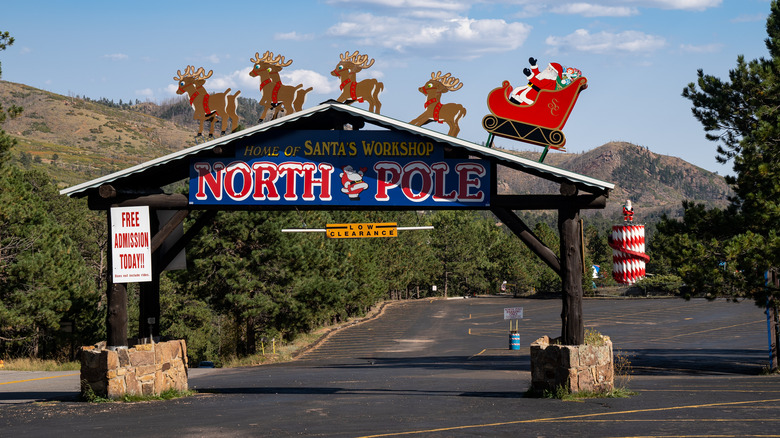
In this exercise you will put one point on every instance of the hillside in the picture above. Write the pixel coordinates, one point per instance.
(655, 183)
(81, 140)
(76, 139)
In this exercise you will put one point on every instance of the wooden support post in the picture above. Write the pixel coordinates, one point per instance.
(204, 219)
(116, 299)
(773, 325)
(149, 301)
(521, 230)
(573, 331)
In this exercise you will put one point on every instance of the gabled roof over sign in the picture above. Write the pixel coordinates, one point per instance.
(330, 115)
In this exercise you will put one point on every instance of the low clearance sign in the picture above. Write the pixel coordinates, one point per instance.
(341, 168)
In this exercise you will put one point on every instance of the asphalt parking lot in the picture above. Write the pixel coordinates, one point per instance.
(443, 368)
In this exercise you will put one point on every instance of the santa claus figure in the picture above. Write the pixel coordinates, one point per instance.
(353, 182)
(628, 211)
(548, 79)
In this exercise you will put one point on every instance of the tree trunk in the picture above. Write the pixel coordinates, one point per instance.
(573, 332)
(116, 317)
(774, 324)
(251, 338)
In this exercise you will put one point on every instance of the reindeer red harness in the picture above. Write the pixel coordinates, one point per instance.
(274, 92)
(436, 109)
(352, 90)
(206, 108)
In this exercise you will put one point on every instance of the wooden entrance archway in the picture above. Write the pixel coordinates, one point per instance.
(318, 159)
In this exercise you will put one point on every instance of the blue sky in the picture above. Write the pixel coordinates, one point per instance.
(638, 55)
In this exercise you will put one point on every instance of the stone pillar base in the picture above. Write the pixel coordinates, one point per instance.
(145, 369)
(574, 367)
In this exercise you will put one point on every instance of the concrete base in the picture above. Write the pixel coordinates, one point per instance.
(574, 367)
(145, 369)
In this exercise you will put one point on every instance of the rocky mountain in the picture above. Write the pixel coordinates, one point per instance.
(655, 183)
(76, 139)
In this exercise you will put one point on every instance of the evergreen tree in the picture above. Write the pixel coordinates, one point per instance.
(728, 252)
(743, 116)
(6, 141)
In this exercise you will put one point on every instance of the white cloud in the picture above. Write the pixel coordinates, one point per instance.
(749, 18)
(294, 36)
(146, 92)
(707, 48)
(460, 37)
(605, 42)
(322, 84)
(691, 5)
(406, 5)
(593, 10)
(605, 8)
(116, 56)
(237, 80)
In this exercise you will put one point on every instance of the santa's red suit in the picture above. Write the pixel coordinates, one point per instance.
(537, 81)
(352, 182)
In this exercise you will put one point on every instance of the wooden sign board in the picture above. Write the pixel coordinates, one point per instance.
(361, 231)
(365, 169)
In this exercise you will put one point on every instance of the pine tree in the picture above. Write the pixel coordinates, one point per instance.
(729, 252)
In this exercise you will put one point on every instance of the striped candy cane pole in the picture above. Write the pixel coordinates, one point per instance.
(628, 253)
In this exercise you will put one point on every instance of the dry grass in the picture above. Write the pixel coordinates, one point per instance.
(27, 364)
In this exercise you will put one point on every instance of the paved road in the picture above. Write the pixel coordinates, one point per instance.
(442, 368)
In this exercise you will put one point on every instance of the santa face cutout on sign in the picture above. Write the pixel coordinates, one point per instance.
(353, 182)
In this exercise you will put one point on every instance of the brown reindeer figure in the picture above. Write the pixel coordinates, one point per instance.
(435, 111)
(351, 89)
(207, 106)
(275, 94)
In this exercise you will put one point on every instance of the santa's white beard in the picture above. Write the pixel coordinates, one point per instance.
(547, 73)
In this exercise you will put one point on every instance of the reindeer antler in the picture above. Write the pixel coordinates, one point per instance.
(188, 71)
(268, 57)
(199, 73)
(452, 83)
(357, 59)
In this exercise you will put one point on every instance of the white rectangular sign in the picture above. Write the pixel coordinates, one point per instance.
(513, 313)
(131, 255)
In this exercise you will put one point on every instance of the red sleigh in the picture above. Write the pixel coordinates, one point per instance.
(539, 123)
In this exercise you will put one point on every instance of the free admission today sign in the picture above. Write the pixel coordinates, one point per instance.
(341, 168)
(131, 255)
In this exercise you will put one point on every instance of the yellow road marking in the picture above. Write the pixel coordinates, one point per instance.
(483, 350)
(39, 378)
(571, 417)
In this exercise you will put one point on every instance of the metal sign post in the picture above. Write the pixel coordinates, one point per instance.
(516, 314)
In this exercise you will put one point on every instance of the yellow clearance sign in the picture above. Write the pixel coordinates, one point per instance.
(359, 231)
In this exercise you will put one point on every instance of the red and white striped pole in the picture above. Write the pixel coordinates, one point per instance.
(628, 253)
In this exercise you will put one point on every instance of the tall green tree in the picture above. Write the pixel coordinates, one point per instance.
(45, 281)
(743, 116)
(727, 252)
(6, 141)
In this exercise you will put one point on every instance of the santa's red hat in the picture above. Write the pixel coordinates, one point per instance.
(557, 68)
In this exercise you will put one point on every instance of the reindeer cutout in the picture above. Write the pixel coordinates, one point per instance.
(275, 94)
(351, 90)
(435, 111)
(207, 106)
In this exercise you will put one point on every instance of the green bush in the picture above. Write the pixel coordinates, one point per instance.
(662, 283)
